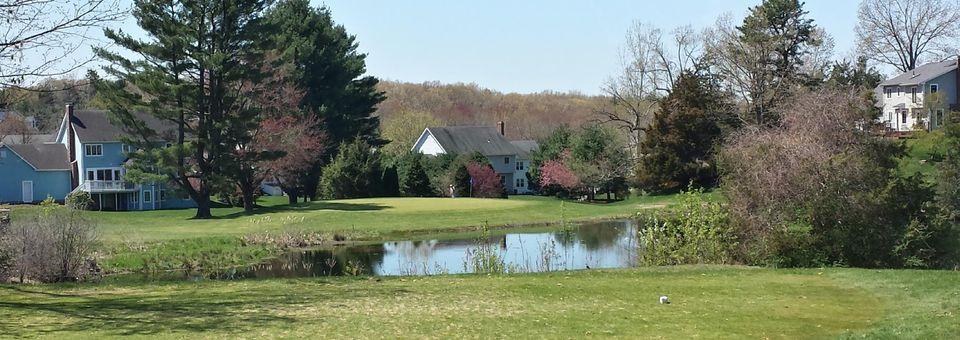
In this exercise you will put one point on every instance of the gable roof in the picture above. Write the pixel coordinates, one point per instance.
(31, 139)
(43, 157)
(468, 139)
(95, 126)
(922, 74)
(527, 146)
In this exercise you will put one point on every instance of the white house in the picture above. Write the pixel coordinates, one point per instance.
(919, 98)
(510, 159)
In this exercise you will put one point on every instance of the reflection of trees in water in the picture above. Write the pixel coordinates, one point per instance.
(321, 262)
(593, 236)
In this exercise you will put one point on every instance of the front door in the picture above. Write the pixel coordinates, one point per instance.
(27, 191)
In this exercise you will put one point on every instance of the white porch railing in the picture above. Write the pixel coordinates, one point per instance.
(107, 186)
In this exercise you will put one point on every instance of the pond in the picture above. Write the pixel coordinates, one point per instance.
(609, 244)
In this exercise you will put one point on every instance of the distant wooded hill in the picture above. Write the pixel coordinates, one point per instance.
(527, 116)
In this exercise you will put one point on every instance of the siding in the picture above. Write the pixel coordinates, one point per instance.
(15, 170)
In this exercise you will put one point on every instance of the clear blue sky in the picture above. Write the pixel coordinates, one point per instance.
(531, 46)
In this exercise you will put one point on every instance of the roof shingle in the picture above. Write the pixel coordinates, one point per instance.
(48, 157)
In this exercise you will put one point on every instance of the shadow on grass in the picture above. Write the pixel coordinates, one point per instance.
(304, 207)
(132, 313)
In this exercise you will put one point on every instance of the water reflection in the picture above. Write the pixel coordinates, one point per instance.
(591, 245)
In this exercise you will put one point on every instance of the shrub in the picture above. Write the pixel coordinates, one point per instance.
(354, 173)
(695, 232)
(414, 181)
(485, 181)
(820, 190)
(79, 200)
(53, 246)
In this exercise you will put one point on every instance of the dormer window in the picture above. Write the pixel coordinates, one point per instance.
(889, 92)
(94, 150)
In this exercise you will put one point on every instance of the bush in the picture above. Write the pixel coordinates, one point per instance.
(695, 232)
(486, 181)
(414, 181)
(53, 246)
(79, 200)
(820, 190)
(354, 173)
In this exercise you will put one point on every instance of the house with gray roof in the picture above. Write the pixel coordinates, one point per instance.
(920, 98)
(510, 159)
(33, 172)
(86, 154)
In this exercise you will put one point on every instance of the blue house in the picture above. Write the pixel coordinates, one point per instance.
(96, 157)
(33, 172)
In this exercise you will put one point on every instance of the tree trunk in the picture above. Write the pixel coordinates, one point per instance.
(291, 198)
(311, 182)
(203, 206)
(248, 201)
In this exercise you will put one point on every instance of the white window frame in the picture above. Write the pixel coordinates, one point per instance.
(934, 88)
(87, 148)
(889, 92)
(520, 165)
(148, 194)
(913, 94)
(506, 160)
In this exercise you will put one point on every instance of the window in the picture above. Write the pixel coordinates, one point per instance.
(506, 160)
(521, 182)
(163, 195)
(519, 165)
(147, 196)
(939, 117)
(903, 117)
(913, 94)
(3, 154)
(93, 149)
(888, 91)
(899, 91)
(934, 88)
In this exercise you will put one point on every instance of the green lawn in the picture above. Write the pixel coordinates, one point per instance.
(708, 302)
(923, 153)
(361, 218)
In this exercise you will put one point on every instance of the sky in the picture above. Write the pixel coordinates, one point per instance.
(533, 45)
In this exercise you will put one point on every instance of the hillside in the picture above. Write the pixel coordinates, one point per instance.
(526, 115)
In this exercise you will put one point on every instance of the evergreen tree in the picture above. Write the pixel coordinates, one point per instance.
(330, 71)
(354, 173)
(190, 72)
(683, 138)
(414, 182)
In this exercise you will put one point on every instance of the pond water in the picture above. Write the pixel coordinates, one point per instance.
(609, 244)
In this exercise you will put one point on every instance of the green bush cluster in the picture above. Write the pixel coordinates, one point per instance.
(696, 231)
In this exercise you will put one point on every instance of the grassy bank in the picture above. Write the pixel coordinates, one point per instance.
(707, 302)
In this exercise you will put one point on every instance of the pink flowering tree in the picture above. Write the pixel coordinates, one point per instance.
(556, 178)
(486, 182)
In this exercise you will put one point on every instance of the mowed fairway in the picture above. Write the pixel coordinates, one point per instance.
(359, 218)
(708, 302)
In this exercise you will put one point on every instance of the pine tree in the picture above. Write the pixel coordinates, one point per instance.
(189, 72)
(414, 181)
(682, 141)
(330, 71)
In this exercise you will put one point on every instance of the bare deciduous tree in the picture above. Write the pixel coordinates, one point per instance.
(905, 33)
(651, 62)
(40, 38)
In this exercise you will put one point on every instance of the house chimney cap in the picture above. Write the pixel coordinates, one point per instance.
(500, 127)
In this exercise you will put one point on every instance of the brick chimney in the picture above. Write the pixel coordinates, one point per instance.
(500, 128)
(956, 100)
(72, 148)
